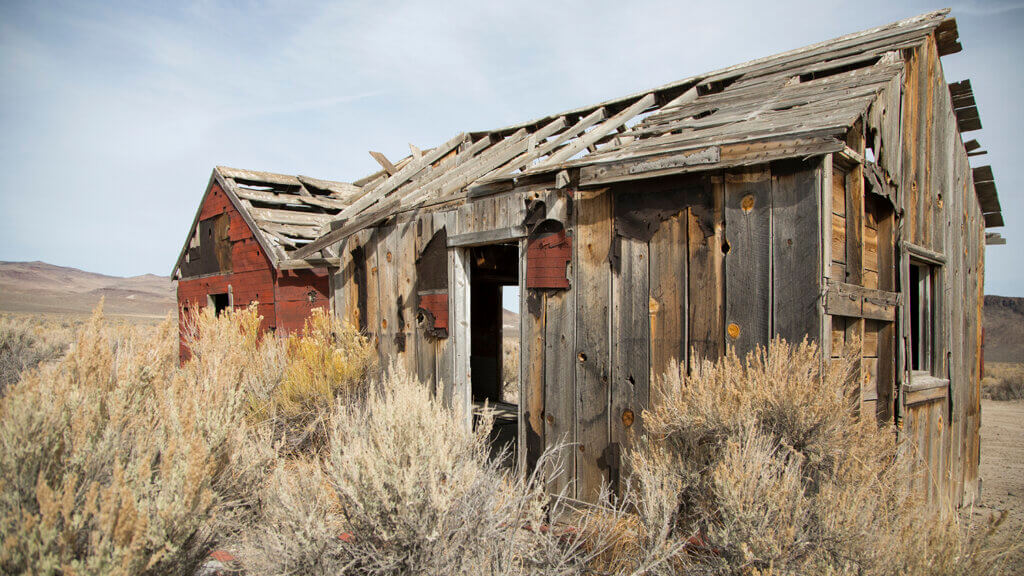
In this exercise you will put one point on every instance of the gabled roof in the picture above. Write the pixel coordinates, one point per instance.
(795, 104)
(284, 212)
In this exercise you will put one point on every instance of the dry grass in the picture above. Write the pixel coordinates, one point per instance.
(763, 466)
(27, 341)
(1003, 381)
(405, 488)
(116, 460)
(510, 370)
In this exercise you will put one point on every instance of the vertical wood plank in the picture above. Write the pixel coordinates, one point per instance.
(531, 362)
(667, 302)
(630, 384)
(560, 387)
(705, 275)
(594, 230)
(425, 348)
(405, 271)
(796, 277)
(445, 350)
(748, 261)
(459, 323)
(387, 292)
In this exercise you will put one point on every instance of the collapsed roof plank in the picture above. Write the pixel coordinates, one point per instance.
(400, 177)
(595, 134)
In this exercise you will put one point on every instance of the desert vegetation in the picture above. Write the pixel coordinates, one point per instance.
(299, 455)
(27, 341)
(1003, 381)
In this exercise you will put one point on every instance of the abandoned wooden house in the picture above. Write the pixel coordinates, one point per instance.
(237, 251)
(824, 192)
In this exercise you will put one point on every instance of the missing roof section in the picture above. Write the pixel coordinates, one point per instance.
(840, 69)
(716, 86)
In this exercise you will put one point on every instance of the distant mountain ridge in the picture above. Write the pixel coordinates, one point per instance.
(1004, 329)
(41, 288)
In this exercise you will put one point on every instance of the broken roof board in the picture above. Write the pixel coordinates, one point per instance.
(797, 103)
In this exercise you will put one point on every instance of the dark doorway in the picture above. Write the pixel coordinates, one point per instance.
(219, 302)
(494, 343)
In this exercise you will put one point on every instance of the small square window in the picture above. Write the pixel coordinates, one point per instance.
(219, 302)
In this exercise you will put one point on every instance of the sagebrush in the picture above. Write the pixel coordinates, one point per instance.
(298, 456)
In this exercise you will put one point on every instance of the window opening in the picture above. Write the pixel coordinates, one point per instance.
(219, 302)
(922, 318)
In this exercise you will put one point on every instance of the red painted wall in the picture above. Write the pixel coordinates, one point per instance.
(252, 278)
(298, 293)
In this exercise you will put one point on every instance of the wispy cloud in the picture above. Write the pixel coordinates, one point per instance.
(114, 113)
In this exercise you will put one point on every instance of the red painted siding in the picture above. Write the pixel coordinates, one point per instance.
(285, 298)
(298, 293)
(252, 276)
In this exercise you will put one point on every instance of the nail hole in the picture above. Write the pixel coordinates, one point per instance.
(582, 357)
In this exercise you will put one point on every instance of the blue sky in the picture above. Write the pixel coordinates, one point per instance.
(114, 114)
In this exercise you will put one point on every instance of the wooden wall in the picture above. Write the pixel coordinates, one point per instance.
(943, 216)
(676, 269)
(715, 259)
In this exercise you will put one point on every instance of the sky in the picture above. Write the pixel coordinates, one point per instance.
(114, 114)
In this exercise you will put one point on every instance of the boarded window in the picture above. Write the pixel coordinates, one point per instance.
(432, 286)
(548, 255)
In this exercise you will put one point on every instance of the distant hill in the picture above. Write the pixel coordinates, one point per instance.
(41, 288)
(1004, 329)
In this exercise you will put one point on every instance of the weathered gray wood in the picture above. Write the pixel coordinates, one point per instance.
(748, 262)
(384, 162)
(599, 132)
(309, 263)
(630, 381)
(445, 349)
(560, 387)
(796, 277)
(487, 236)
(459, 330)
(594, 228)
(405, 271)
(706, 274)
(667, 296)
(425, 347)
(387, 291)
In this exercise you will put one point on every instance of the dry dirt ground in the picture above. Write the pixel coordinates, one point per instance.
(1002, 472)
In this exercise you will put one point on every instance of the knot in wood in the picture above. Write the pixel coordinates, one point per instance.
(734, 330)
(627, 417)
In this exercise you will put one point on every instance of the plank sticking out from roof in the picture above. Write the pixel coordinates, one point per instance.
(796, 103)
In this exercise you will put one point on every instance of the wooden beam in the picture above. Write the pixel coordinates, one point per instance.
(384, 162)
(599, 132)
(399, 178)
(497, 236)
(289, 217)
(300, 264)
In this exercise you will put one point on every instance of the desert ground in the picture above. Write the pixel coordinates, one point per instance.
(1002, 470)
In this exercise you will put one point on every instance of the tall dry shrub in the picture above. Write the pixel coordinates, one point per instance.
(406, 488)
(327, 360)
(26, 342)
(116, 461)
(764, 466)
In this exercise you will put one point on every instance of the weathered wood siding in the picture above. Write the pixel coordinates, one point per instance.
(943, 215)
(637, 305)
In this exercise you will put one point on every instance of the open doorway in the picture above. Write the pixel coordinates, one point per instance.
(494, 340)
